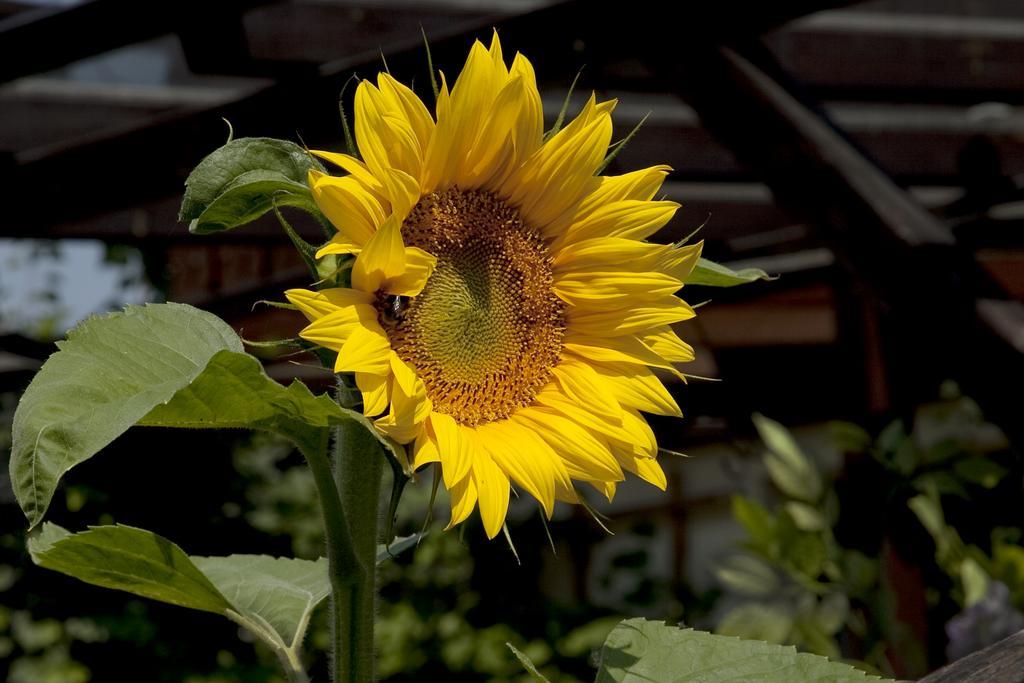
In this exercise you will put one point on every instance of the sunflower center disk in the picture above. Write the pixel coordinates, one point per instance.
(487, 328)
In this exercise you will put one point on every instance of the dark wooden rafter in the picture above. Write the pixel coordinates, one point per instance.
(149, 159)
(894, 249)
(34, 41)
(808, 162)
(999, 663)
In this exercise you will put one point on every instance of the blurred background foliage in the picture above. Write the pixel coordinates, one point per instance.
(822, 556)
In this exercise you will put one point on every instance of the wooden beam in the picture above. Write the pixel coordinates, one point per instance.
(44, 39)
(999, 663)
(900, 56)
(930, 328)
(160, 152)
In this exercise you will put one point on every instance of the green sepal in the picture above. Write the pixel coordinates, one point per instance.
(242, 180)
(711, 274)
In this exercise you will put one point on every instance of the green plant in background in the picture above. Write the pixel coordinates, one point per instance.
(794, 581)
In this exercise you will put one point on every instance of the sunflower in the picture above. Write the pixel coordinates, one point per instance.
(505, 314)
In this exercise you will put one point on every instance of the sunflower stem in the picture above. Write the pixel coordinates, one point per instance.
(358, 469)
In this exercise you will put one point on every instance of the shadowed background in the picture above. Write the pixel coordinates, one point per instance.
(869, 154)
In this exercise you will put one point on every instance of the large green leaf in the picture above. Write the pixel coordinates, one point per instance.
(283, 591)
(711, 274)
(106, 376)
(130, 559)
(272, 597)
(164, 365)
(244, 179)
(640, 650)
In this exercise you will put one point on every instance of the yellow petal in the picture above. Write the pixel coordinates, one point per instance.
(580, 383)
(627, 319)
(639, 185)
(463, 495)
(460, 116)
(424, 451)
(526, 459)
(318, 304)
(667, 344)
(455, 445)
(334, 329)
(401, 99)
(607, 253)
(419, 265)
(608, 427)
(367, 348)
(339, 244)
(528, 130)
(679, 262)
(624, 349)
(585, 457)
(376, 391)
(629, 218)
(492, 149)
(355, 168)
(647, 469)
(385, 138)
(643, 441)
(650, 471)
(410, 406)
(349, 206)
(605, 488)
(603, 289)
(382, 258)
(560, 173)
(637, 387)
(492, 490)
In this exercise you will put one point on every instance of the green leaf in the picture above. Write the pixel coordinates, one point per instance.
(849, 437)
(792, 471)
(282, 591)
(711, 274)
(242, 180)
(248, 197)
(949, 547)
(130, 559)
(105, 377)
(747, 575)
(981, 471)
(806, 517)
(756, 519)
(975, 581)
(527, 664)
(642, 651)
(830, 614)
(399, 545)
(167, 365)
(272, 597)
(771, 622)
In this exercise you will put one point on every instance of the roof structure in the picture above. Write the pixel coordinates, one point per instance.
(870, 154)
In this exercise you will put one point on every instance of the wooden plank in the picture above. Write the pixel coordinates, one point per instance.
(89, 28)
(999, 663)
(889, 245)
(324, 31)
(882, 55)
(161, 151)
